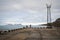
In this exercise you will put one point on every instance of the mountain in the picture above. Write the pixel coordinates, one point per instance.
(10, 26)
(57, 23)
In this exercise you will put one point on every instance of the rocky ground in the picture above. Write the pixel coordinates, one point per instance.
(32, 34)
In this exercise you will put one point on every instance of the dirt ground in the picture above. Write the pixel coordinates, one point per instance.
(32, 34)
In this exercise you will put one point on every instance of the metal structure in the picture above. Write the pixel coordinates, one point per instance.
(48, 15)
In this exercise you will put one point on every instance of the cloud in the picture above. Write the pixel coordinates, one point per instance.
(27, 11)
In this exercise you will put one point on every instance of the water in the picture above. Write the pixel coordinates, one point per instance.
(10, 27)
(16, 26)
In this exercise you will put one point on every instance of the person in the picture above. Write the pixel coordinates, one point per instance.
(30, 26)
(26, 26)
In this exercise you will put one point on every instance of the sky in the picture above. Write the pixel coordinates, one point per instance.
(27, 11)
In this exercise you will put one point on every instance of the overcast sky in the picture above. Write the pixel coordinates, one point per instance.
(27, 11)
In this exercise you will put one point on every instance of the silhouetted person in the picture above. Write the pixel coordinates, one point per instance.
(30, 26)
